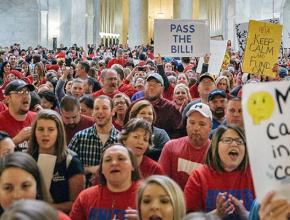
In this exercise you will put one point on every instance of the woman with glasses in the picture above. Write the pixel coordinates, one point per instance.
(224, 185)
(121, 104)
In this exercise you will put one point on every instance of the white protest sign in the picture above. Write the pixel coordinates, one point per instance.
(217, 53)
(267, 126)
(46, 164)
(181, 38)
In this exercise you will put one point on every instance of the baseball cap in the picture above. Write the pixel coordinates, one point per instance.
(206, 75)
(155, 76)
(216, 92)
(17, 85)
(202, 109)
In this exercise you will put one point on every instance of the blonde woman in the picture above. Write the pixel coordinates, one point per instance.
(159, 197)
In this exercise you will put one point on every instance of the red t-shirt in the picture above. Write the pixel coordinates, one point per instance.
(121, 61)
(101, 92)
(3, 107)
(204, 184)
(98, 202)
(179, 158)
(12, 126)
(84, 123)
(168, 94)
(193, 90)
(150, 167)
(127, 88)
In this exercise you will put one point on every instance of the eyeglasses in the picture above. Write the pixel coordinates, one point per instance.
(21, 92)
(229, 140)
(120, 103)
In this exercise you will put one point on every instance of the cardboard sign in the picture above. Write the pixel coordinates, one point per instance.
(266, 118)
(181, 38)
(217, 52)
(242, 33)
(262, 48)
(46, 164)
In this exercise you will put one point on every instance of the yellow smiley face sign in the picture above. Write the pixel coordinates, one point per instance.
(260, 106)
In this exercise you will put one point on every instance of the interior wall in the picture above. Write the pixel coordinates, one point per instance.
(19, 22)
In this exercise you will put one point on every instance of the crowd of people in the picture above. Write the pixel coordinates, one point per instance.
(133, 136)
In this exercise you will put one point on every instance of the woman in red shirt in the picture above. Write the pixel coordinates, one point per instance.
(225, 179)
(114, 197)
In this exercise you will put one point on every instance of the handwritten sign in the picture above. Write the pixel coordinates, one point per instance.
(242, 33)
(266, 118)
(262, 48)
(181, 38)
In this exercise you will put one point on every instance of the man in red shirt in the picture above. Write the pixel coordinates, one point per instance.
(180, 156)
(119, 59)
(17, 119)
(110, 81)
(167, 117)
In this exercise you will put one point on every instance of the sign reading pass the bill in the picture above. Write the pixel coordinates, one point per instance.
(266, 118)
(181, 38)
(262, 49)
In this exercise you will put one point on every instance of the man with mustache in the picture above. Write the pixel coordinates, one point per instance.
(110, 82)
(217, 100)
(17, 119)
(180, 156)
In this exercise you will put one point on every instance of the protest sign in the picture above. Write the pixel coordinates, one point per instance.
(266, 120)
(242, 33)
(46, 164)
(217, 52)
(181, 38)
(262, 48)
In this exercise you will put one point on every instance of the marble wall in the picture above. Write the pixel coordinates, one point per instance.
(32, 22)
(19, 22)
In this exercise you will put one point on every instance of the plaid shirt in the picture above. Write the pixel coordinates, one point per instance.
(88, 145)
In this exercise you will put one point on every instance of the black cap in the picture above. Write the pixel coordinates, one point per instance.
(216, 92)
(17, 85)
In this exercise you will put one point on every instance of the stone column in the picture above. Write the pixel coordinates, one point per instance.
(44, 28)
(182, 9)
(79, 23)
(138, 22)
(125, 9)
(224, 18)
(65, 23)
(96, 22)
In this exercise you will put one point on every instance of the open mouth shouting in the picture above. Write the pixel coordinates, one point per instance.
(233, 154)
(155, 217)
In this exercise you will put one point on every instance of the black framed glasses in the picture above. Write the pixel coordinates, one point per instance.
(229, 140)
